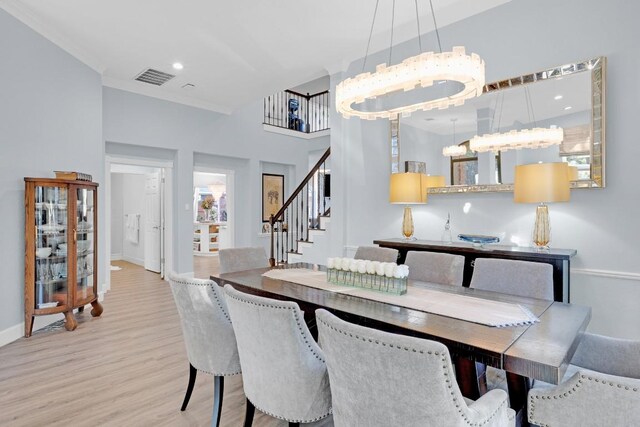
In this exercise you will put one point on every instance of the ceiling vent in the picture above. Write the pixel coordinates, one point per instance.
(154, 77)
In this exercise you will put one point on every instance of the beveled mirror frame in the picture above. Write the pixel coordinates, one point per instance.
(597, 67)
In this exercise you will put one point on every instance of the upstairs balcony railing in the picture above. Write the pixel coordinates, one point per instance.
(295, 111)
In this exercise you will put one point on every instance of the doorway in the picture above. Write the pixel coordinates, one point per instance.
(213, 221)
(138, 214)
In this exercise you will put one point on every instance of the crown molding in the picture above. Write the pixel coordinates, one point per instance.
(22, 13)
(156, 92)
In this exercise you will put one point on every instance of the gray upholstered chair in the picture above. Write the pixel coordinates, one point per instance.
(373, 253)
(434, 267)
(283, 370)
(238, 259)
(383, 379)
(601, 387)
(208, 335)
(522, 278)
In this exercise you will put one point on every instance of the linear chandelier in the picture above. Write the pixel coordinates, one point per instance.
(415, 72)
(517, 139)
(454, 151)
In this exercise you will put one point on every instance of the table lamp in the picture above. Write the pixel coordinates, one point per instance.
(541, 183)
(434, 181)
(407, 188)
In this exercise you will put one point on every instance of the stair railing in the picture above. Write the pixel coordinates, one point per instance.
(300, 213)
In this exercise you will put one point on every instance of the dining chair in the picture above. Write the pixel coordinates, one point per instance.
(514, 277)
(208, 335)
(283, 370)
(601, 387)
(238, 259)
(373, 253)
(383, 379)
(435, 267)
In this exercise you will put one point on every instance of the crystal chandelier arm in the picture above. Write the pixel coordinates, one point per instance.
(418, 24)
(366, 54)
(393, 17)
(435, 25)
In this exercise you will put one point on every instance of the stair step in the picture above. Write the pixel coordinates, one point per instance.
(304, 242)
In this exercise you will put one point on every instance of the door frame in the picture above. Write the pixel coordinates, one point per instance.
(167, 171)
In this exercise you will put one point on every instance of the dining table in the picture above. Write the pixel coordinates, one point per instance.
(540, 350)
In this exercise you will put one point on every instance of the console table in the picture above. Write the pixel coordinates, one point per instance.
(558, 258)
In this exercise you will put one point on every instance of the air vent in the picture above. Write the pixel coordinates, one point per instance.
(154, 77)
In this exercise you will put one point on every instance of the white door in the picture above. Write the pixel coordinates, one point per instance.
(152, 222)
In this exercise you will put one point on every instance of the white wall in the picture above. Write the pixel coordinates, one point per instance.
(50, 119)
(600, 224)
(117, 216)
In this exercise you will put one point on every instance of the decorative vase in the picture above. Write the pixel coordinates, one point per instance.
(407, 223)
(541, 229)
(207, 213)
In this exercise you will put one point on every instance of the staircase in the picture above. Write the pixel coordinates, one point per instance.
(299, 228)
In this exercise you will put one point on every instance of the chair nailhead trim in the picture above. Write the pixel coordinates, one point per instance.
(288, 420)
(209, 283)
(574, 389)
(456, 402)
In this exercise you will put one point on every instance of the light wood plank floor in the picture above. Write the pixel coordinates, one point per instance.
(126, 368)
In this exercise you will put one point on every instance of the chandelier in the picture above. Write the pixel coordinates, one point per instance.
(517, 139)
(420, 71)
(535, 137)
(454, 151)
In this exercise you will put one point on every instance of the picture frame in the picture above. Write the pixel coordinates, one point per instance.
(272, 195)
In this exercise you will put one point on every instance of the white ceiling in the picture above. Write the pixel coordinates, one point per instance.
(234, 52)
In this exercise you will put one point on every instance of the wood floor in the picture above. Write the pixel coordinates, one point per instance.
(126, 368)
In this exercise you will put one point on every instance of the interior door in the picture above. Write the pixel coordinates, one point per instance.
(152, 222)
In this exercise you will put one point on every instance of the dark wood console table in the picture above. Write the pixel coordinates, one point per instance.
(558, 258)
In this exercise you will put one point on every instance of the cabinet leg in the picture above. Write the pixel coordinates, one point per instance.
(70, 323)
(97, 308)
(28, 326)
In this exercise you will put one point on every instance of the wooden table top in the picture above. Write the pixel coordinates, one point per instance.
(539, 351)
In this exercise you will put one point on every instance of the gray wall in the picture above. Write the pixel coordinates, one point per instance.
(148, 127)
(514, 39)
(50, 119)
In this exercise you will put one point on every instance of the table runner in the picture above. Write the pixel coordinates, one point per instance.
(463, 307)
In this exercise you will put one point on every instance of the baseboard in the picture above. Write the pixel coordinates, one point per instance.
(116, 257)
(15, 332)
(132, 260)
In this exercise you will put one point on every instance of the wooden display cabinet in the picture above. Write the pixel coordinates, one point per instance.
(61, 252)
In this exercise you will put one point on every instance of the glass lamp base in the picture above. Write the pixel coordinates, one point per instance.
(542, 229)
(407, 224)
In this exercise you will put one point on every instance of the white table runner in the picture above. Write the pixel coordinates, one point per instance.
(470, 309)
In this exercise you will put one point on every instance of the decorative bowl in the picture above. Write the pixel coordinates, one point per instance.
(43, 252)
(478, 240)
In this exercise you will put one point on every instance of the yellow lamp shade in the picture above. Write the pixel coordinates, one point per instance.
(434, 181)
(573, 173)
(407, 188)
(541, 183)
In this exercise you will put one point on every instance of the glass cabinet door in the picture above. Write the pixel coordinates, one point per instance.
(85, 234)
(50, 246)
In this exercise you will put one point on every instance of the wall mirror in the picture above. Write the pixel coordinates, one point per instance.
(570, 97)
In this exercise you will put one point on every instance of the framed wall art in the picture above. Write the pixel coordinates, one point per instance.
(272, 195)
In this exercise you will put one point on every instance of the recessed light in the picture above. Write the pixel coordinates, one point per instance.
(557, 97)
(177, 66)
(569, 107)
